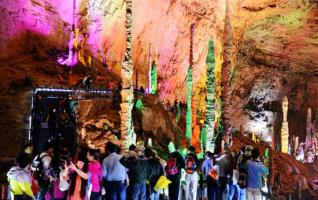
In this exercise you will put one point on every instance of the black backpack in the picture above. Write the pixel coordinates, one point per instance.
(242, 179)
(37, 168)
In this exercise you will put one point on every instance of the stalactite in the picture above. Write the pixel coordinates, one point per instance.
(127, 130)
(226, 76)
(210, 99)
(189, 91)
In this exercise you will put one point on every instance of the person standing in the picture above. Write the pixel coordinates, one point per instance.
(210, 174)
(173, 171)
(114, 174)
(52, 121)
(44, 174)
(138, 174)
(255, 170)
(155, 171)
(191, 166)
(96, 174)
(78, 179)
(224, 168)
(19, 178)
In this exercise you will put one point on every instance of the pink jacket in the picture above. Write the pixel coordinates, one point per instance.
(95, 170)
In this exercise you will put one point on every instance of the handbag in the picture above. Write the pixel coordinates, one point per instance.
(63, 184)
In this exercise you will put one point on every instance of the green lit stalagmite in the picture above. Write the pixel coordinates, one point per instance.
(153, 80)
(189, 91)
(189, 111)
(210, 99)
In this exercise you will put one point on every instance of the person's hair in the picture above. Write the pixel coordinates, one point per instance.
(23, 160)
(209, 154)
(191, 148)
(132, 147)
(74, 176)
(94, 153)
(27, 145)
(255, 153)
(111, 147)
(48, 146)
(148, 153)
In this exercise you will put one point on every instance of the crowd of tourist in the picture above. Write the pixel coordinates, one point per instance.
(137, 174)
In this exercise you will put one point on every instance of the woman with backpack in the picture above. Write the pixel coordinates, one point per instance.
(191, 176)
(173, 172)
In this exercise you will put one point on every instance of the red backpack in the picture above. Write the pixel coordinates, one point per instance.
(172, 168)
(190, 165)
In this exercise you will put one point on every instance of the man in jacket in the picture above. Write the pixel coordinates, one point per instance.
(138, 174)
(19, 178)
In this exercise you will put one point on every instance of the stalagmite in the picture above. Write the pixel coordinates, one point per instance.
(310, 144)
(226, 76)
(149, 70)
(296, 145)
(210, 99)
(128, 136)
(189, 94)
(195, 139)
(284, 131)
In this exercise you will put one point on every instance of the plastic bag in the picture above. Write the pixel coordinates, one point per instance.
(162, 183)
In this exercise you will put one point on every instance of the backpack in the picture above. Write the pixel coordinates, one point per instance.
(37, 167)
(172, 168)
(190, 165)
(242, 178)
(214, 174)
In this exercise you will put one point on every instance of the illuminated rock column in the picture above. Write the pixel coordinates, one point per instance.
(189, 92)
(226, 76)
(153, 86)
(284, 131)
(308, 127)
(210, 99)
(195, 139)
(128, 136)
(149, 70)
(310, 146)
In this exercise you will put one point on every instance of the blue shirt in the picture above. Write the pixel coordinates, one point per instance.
(113, 170)
(255, 171)
(206, 167)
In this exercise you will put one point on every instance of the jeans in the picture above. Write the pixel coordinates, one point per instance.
(44, 187)
(191, 186)
(174, 187)
(154, 196)
(223, 188)
(115, 190)
(241, 193)
(233, 191)
(138, 191)
(22, 197)
(95, 196)
(212, 188)
(253, 194)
